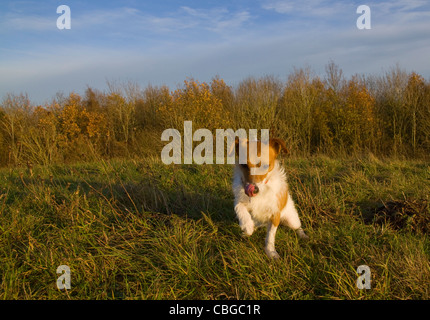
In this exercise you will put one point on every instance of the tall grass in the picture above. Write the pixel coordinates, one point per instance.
(136, 229)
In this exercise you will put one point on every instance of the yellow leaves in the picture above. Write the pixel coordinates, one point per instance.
(97, 124)
(196, 102)
(356, 115)
(75, 121)
(45, 119)
(359, 102)
(71, 117)
(416, 80)
(415, 90)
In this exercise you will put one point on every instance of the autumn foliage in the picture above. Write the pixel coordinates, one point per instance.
(386, 115)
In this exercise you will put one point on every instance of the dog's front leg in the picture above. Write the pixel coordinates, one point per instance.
(245, 220)
(270, 240)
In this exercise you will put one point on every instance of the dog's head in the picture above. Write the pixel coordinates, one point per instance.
(259, 162)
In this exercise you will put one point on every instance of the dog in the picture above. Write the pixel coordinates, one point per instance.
(264, 199)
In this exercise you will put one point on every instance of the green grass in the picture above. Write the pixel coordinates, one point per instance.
(138, 229)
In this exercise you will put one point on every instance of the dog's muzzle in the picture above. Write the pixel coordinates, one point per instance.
(251, 189)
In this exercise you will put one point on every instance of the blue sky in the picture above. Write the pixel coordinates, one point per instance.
(166, 41)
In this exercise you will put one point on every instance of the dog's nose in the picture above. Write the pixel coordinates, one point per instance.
(251, 189)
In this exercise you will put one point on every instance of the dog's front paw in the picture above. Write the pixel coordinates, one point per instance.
(247, 228)
(301, 234)
(272, 254)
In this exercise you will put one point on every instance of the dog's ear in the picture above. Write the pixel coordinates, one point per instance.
(278, 145)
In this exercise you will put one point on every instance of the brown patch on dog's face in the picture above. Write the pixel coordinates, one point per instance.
(253, 156)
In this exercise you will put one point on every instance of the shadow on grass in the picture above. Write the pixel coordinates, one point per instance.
(408, 214)
(150, 197)
(127, 196)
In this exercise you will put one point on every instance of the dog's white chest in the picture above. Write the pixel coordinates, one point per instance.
(263, 206)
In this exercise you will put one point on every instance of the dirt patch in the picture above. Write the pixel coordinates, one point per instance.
(408, 214)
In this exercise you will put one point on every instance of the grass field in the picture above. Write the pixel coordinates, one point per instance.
(137, 229)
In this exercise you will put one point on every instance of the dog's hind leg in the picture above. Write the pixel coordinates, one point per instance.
(290, 218)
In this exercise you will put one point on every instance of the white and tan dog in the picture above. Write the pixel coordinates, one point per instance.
(264, 199)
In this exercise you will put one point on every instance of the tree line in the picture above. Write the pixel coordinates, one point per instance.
(386, 115)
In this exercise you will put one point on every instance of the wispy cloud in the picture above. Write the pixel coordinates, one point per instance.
(105, 17)
(401, 12)
(217, 19)
(305, 7)
(399, 6)
(26, 22)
